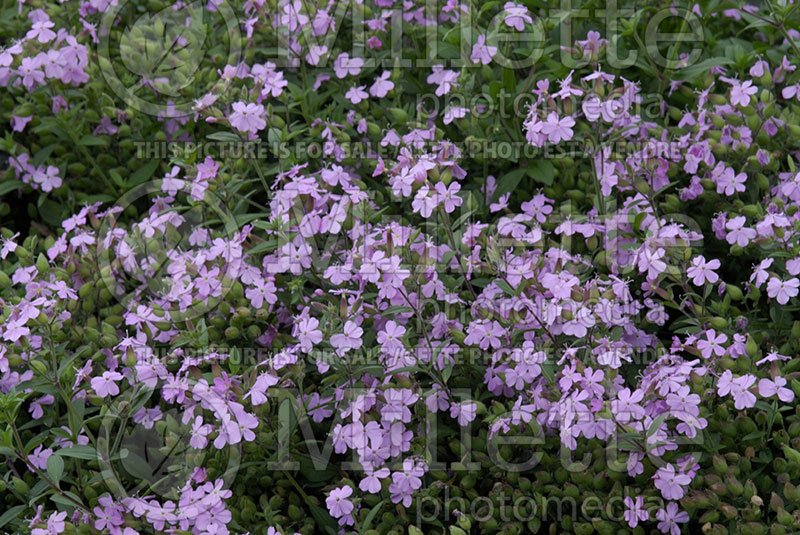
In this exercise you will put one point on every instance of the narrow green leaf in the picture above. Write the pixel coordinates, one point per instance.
(55, 467)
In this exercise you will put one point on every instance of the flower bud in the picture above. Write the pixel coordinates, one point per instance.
(39, 366)
(642, 186)
(720, 464)
(753, 528)
(735, 487)
(791, 454)
(784, 518)
(231, 333)
(791, 492)
(719, 323)
(20, 486)
(734, 292)
(775, 502)
(751, 347)
(718, 100)
(717, 121)
(728, 510)
(749, 490)
(399, 115)
(734, 119)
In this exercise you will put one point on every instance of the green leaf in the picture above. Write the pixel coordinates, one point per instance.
(373, 512)
(8, 186)
(542, 171)
(397, 309)
(548, 372)
(79, 452)
(11, 514)
(42, 154)
(224, 136)
(55, 467)
(506, 287)
(509, 80)
(92, 141)
(64, 501)
(697, 69)
(447, 372)
(508, 182)
(144, 173)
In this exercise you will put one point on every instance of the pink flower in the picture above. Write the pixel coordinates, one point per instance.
(669, 519)
(481, 52)
(308, 333)
(406, 482)
(273, 84)
(651, 262)
(258, 392)
(741, 92)
(41, 31)
(9, 246)
(199, 433)
(248, 117)
(424, 203)
(391, 337)
(315, 53)
(728, 182)
(712, 344)
(465, 412)
(445, 79)
(371, 483)
(627, 406)
(768, 388)
(453, 113)
(516, 16)
(742, 397)
(782, 291)
(106, 385)
(48, 179)
(759, 68)
(760, 274)
(356, 94)
(349, 339)
(39, 456)
(448, 196)
(105, 127)
(738, 234)
(702, 271)
(635, 511)
(338, 503)
(671, 483)
(292, 18)
(344, 65)
(263, 290)
(557, 129)
(484, 333)
(56, 524)
(18, 123)
(501, 203)
(382, 85)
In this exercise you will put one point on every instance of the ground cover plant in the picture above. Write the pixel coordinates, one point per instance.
(385, 267)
